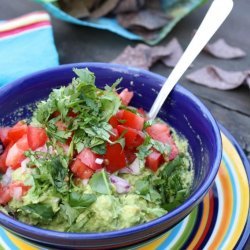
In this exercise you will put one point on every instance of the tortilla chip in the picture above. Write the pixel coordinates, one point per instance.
(144, 56)
(221, 49)
(139, 56)
(147, 19)
(215, 77)
(175, 54)
(105, 8)
(75, 8)
(129, 6)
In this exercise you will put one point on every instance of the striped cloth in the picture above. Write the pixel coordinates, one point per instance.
(26, 45)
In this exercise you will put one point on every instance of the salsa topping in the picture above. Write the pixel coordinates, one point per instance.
(85, 149)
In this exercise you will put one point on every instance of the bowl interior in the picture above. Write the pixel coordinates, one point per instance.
(182, 110)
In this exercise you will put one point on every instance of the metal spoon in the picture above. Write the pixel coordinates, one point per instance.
(215, 16)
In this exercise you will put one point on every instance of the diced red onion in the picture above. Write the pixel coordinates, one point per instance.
(125, 170)
(135, 167)
(85, 182)
(7, 177)
(17, 193)
(99, 161)
(24, 165)
(121, 185)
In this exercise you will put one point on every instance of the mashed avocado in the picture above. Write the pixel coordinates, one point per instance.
(72, 183)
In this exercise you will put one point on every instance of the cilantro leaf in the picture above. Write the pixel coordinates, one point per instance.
(39, 211)
(100, 183)
(81, 200)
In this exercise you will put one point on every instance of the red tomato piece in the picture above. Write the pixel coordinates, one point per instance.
(154, 160)
(114, 120)
(72, 114)
(17, 131)
(4, 135)
(115, 135)
(130, 155)
(3, 156)
(133, 137)
(37, 137)
(132, 120)
(174, 150)
(114, 157)
(159, 132)
(61, 126)
(5, 196)
(16, 153)
(142, 112)
(88, 158)
(126, 96)
(80, 170)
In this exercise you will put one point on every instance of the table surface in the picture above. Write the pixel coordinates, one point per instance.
(230, 108)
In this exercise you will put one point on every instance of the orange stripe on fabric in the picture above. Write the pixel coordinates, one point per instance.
(226, 210)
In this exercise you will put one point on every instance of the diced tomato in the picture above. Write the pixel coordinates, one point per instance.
(18, 189)
(159, 132)
(5, 196)
(114, 120)
(132, 120)
(142, 112)
(154, 160)
(114, 159)
(130, 155)
(23, 143)
(115, 135)
(72, 114)
(61, 126)
(88, 158)
(174, 150)
(37, 137)
(55, 114)
(3, 156)
(133, 137)
(4, 135)
(17, 131)
(80, 170)
(16, 153)
(126, 96)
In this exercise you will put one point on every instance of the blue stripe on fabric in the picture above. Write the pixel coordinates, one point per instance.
(6, 240)
(27, 52)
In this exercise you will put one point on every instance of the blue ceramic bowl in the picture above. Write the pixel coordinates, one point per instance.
(182, 110)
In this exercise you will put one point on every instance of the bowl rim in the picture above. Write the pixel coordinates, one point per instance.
(11, 223)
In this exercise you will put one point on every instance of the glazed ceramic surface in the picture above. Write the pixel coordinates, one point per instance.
(182, 110)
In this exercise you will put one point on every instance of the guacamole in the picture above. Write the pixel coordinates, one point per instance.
(89, 162)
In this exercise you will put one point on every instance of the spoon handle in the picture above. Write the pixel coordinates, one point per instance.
(215, 16)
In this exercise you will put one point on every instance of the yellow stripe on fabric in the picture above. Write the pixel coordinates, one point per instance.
(203, 223)
(20, 243)
(34, 17)
(155, 243)
(234, 157)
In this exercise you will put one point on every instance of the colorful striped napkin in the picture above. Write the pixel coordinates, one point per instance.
(26, 45)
